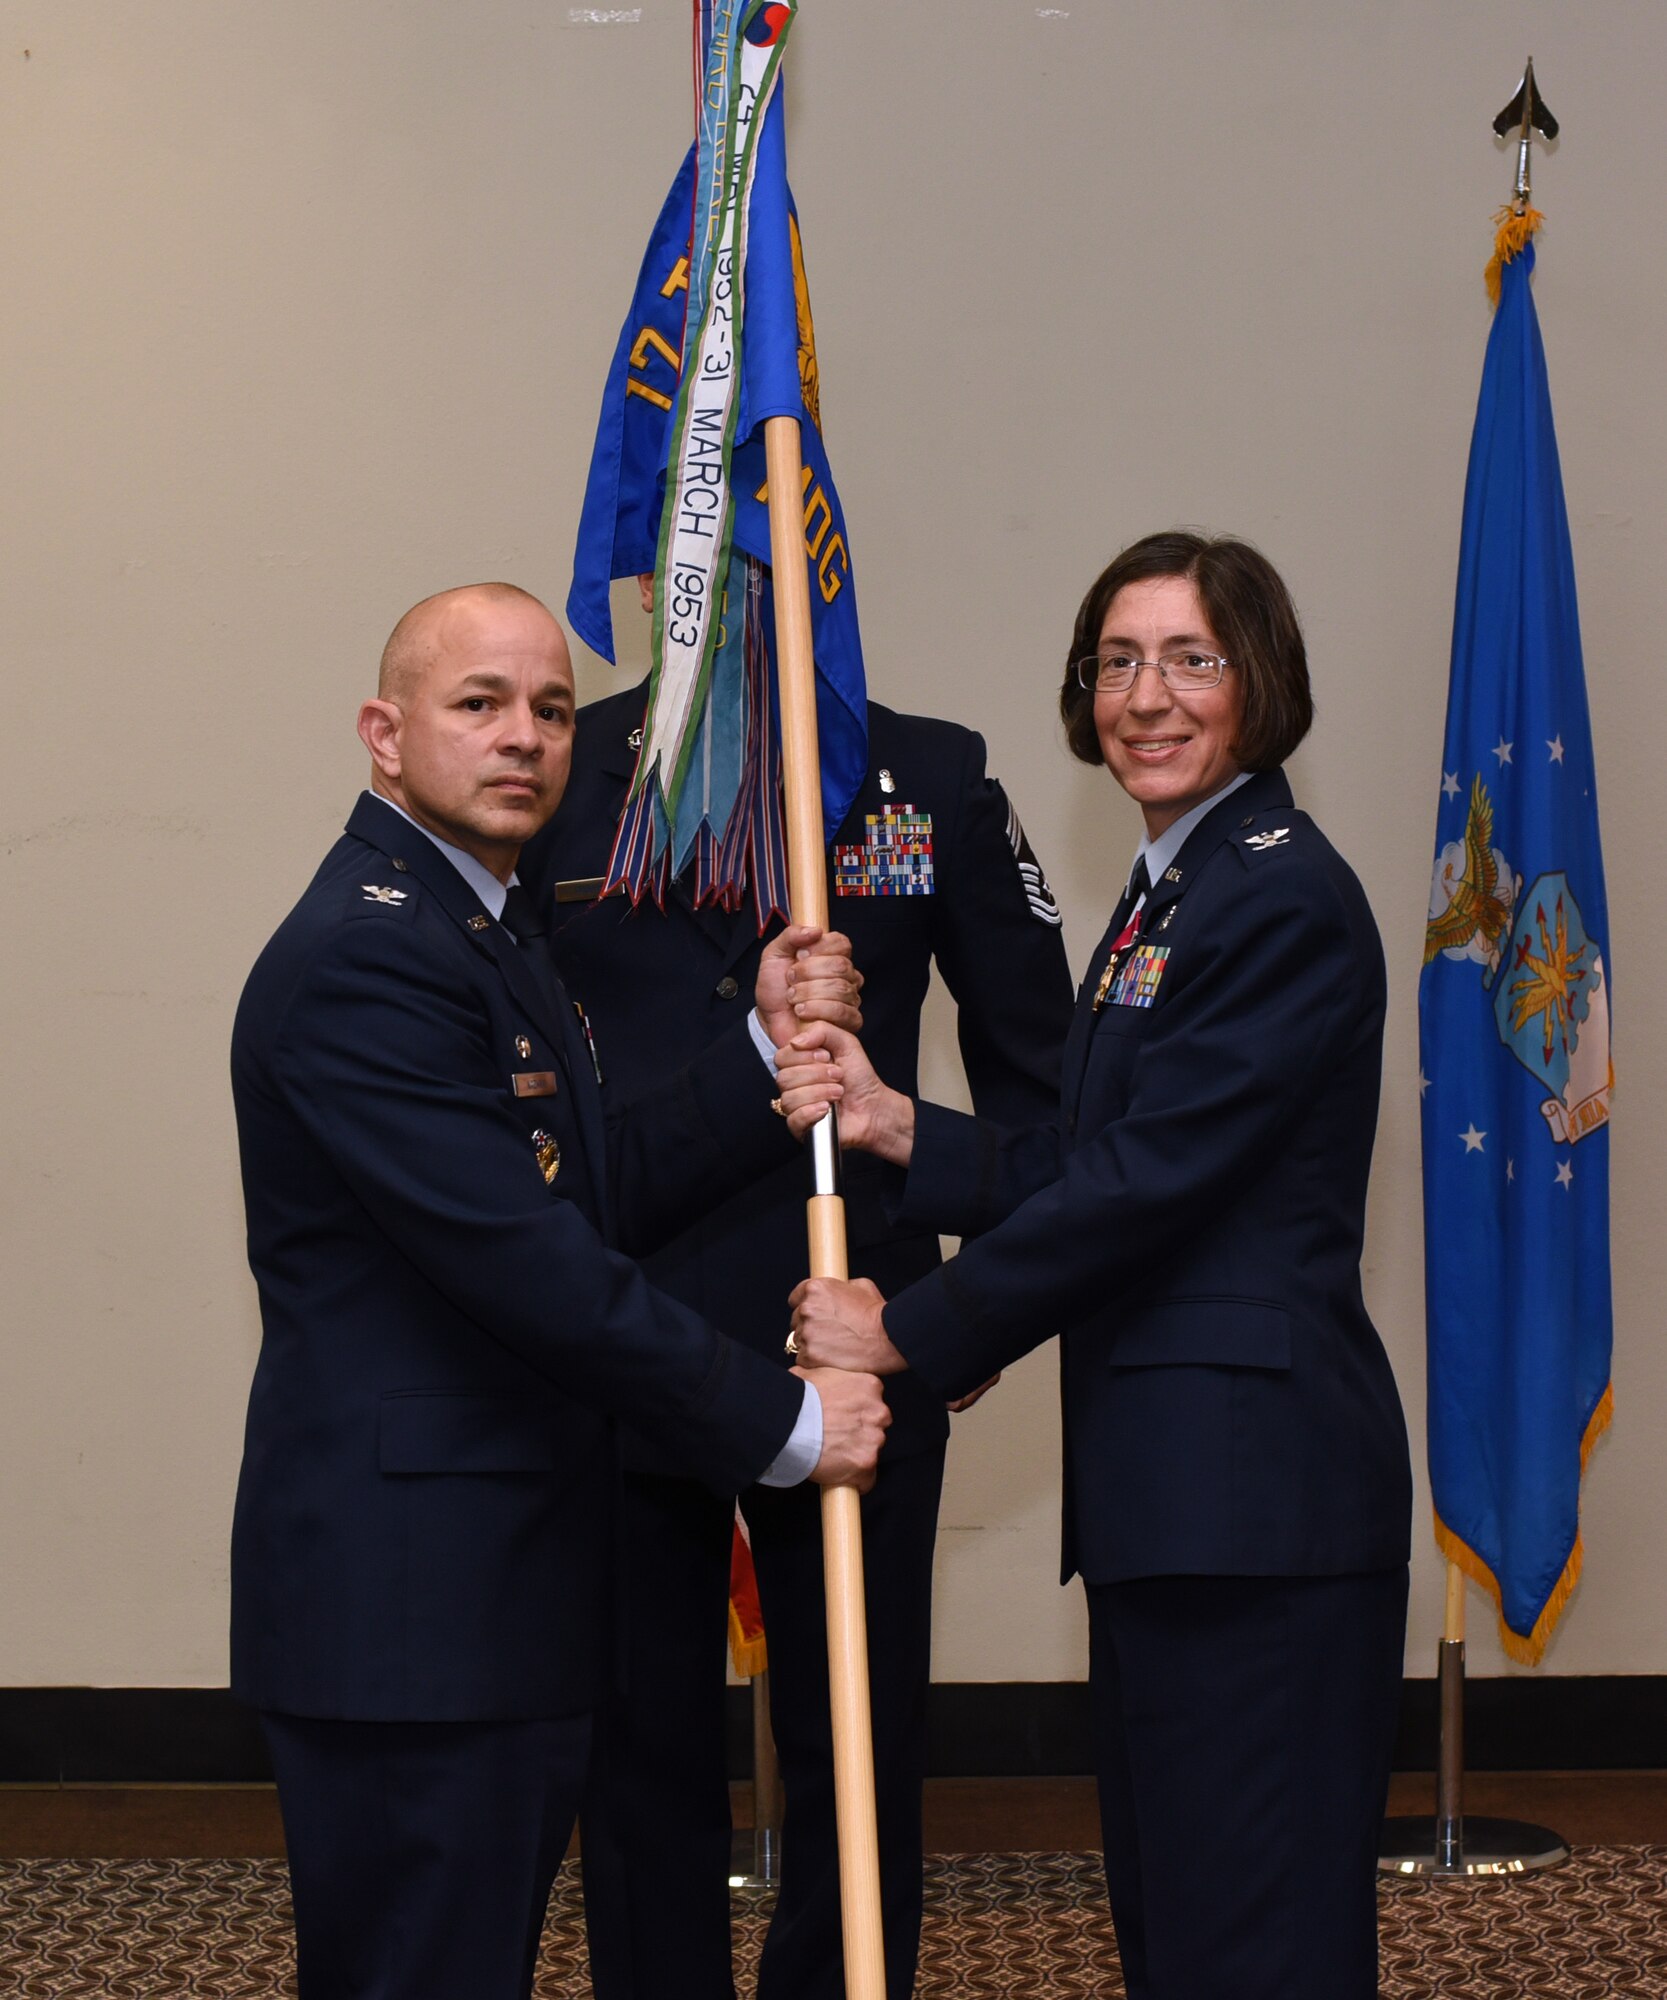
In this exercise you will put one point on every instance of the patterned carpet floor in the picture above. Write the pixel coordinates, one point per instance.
(998, 1927)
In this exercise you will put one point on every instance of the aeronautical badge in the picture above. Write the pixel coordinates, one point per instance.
(1263, 841)
(375, 895)
(549, 1155)
(1037, 893)
(1551, 1008)
(894, 858)
(1138, 977)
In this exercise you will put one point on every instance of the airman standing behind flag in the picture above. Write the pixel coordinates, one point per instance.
(929, 866)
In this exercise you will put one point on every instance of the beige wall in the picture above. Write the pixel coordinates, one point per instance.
(307, 311)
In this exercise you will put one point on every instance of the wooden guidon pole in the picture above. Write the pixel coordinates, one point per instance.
(853, 1741)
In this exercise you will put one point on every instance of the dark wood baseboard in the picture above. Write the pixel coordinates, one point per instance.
(962, 1816)
(996, 1729)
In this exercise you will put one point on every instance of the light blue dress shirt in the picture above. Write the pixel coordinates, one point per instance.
(1160, 854)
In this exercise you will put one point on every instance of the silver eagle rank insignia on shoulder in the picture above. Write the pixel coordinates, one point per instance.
(375, 894)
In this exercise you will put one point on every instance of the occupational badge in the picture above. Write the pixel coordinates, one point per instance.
(548, 1151)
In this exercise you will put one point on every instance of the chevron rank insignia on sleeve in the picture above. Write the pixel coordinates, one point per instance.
(1037, 893)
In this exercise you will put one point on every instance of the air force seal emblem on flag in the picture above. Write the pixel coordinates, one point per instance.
(1551, 1007)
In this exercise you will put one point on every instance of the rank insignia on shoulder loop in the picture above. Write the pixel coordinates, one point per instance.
(549, 1155)
(375, 895)
(894, 858)
(1263, 841)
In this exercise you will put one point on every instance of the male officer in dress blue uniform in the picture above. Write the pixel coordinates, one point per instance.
(438, 1203)
(663, 985)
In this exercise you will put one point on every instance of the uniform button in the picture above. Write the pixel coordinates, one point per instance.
(727, 988)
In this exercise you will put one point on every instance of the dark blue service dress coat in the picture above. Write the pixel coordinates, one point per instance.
(661, 985)
(439, 1216)
(1194, 1219)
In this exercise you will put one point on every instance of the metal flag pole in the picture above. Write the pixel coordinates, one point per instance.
(853, 1739)
(1450, 1843)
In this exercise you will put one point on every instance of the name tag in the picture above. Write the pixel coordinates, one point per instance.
(583, 889)
(534, 1082)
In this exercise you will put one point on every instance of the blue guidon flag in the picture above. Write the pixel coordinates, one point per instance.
(1514, 1019)
(719, 337)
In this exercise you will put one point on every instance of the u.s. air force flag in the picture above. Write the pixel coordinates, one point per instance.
(677, 487)
(1514, 1010)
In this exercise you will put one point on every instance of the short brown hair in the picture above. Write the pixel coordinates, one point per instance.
(1251, 613)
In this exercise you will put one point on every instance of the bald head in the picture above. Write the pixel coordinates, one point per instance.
(471, 728)
(415, 642)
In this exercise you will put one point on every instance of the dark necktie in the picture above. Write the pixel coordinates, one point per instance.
(1140, 887)
(522, 916)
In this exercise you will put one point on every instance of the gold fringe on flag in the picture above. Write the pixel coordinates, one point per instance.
(1528, 1652)
(1514, 227)
(746, 1649)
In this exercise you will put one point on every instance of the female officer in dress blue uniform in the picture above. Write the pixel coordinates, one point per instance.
(1237, 1487)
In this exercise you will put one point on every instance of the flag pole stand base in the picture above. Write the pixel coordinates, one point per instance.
(755, 1851)
(1451, 1842)
(755, 1859)
(1470, 1847)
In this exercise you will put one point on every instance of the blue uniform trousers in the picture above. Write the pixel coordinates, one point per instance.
(655, 1822)
(1242, 1735)
(421, 1854)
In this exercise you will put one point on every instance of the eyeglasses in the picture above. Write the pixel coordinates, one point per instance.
(1116, 673)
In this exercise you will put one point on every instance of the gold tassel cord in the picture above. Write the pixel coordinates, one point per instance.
(1528, 1650)
(1514, 229)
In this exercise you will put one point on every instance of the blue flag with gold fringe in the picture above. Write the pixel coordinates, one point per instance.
(1514, 1018)
(677, 488)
